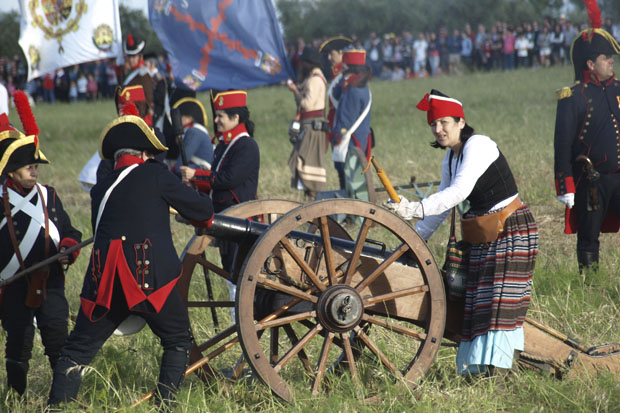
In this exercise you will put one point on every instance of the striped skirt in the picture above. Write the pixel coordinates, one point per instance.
(499, 280)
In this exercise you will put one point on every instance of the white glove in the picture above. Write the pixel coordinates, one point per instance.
(405, 209)
(567, 199)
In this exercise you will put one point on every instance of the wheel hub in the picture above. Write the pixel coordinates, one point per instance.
(340, 308)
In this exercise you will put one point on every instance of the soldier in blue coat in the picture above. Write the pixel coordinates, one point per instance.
(197, 145)
(352, 122)
(133, 267)
(33, 227)
(587, 152)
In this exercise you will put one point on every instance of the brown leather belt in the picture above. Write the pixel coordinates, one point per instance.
(486, 228)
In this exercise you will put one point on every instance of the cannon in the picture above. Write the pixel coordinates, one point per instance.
(317, 299)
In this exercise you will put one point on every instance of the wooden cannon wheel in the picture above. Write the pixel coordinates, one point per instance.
(324, 307)
(194, 261)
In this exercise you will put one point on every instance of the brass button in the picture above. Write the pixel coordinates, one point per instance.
(123, 238)
(585, 130)
(146, 272)
(53, 209)
(146, 285)
(147, 262)
(146, 247)
(55, 219)
(587, 123)
(139, 262)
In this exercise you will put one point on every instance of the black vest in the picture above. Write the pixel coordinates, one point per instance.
(496, 184)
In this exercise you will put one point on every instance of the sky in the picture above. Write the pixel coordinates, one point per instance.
(7, 5)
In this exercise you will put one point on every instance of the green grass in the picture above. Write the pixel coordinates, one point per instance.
(515, 109)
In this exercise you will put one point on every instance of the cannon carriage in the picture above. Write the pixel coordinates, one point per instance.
(316, 299)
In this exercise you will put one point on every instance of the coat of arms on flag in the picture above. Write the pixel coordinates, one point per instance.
(59, 33)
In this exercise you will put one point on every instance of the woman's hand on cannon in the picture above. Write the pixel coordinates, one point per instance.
(405, 209)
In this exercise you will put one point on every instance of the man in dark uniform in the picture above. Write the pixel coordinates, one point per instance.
(34, 227)
(134, 266)
(587, 149)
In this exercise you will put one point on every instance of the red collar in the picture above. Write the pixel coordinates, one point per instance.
(337, 69)
(126, 160)
(16, 187)
(227, 136)
(590, 77)
(140, 64)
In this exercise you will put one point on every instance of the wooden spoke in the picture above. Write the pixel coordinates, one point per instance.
(285, 320)
(327, 250)
(302, 264)
(305, 361)
(348, 352)
(274, 338)
(359, 245)
(395, 327)
(373, 347)
(217, 338)
(396, 294)
(382, 267)
(212, 267)
(286, 289)
(297, 347)
(327, 343)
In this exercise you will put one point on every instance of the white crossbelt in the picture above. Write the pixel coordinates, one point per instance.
(339, 152)
(37, 221)
(120, 177)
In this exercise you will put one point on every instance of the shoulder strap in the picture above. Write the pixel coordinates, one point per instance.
(121, 176)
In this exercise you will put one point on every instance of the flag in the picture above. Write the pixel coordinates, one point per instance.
(60, 33)
(221, 44)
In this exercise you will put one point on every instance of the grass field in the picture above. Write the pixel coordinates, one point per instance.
(516, 109)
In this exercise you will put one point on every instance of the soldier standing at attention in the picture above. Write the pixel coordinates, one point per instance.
(133, 267)
(34, 227)
(334, 49)
(587, 152)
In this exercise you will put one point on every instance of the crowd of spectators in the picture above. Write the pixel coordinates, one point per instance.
(450, 51)
(84, 82)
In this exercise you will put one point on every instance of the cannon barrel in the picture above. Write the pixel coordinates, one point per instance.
(245, 231)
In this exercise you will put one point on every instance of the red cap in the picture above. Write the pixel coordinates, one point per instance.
(230, 99)
(437, 106)
(354, 57)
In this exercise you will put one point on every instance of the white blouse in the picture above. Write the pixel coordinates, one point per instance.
(478, 154)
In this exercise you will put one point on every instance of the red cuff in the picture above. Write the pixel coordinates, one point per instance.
(203, 224)
(202, 180)
(565, 186)
(68, 243)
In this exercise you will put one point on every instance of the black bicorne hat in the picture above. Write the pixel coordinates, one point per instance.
(17, 150)
(192, 107)
(335, 43)
(311, 55)
(129, 132)
(133, 45)
(588, 45)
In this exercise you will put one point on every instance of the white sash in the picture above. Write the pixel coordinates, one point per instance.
(330, 91)
(339, 152)
(120, 177)
(37, 221)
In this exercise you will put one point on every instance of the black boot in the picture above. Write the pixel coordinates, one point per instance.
(342, 181)
(588, 261)
(66, 381)
(16, 374)
(173, 365)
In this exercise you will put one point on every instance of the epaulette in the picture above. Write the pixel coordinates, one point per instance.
(564, 93)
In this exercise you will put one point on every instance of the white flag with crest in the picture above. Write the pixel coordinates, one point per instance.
(61, 33)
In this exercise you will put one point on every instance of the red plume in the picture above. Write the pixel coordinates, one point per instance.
(25, 113)
(594, 13)
(5, 124)
(128, 109)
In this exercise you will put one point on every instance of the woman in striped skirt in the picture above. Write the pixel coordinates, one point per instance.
(502, 258)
